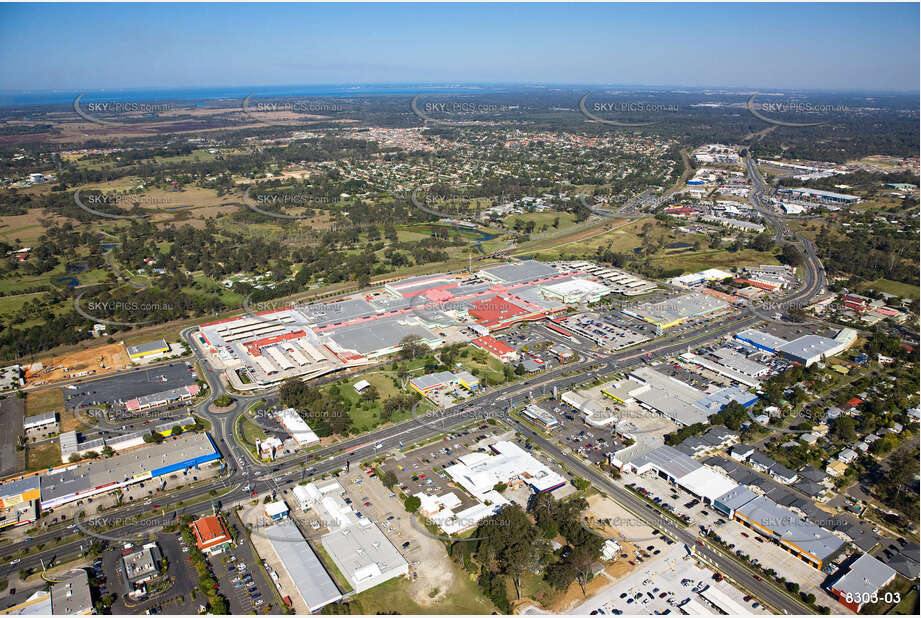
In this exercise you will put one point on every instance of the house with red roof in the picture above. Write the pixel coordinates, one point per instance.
(211, 535)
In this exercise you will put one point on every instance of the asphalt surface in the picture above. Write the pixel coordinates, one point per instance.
(241, 471)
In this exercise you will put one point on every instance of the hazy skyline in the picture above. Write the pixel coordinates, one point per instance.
(801, 46)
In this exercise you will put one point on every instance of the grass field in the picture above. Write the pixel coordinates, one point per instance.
(909, 604)
(541, 219)
(43, 456)
(68, 421)
(693, 261)
(251, 432)
(488, 370)
(624, 237)
(903, 290)
(367, 415)
(47, 400)
(394, 597)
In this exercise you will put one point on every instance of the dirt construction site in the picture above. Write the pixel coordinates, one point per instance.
(78, 364)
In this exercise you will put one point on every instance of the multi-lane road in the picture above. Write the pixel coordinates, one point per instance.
(243, 476)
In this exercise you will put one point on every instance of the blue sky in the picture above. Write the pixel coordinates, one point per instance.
(809, 46)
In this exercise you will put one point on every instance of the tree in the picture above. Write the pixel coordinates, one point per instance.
(412, 504)
(791, 255)
(500, 487)
(844, 427)
(223, 400)
(763, 242)
(412, 346)
(370, 393)
(389, 479)
(506, 544)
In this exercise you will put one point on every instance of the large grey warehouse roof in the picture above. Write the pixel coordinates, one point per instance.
(125, 465)
(736, 498)
(808, 346)
(377, 335)
(14, 488)
(864, 577)
(306, 571)
(533, 295)
(670, 460)
(791, 528)
(734, 360)
(433, 379)
(761, 338)
(325, 314)
(358, 549)
(675, 409)
(520, 272)
(679, 308)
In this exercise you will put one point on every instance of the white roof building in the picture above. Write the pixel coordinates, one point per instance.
(478, 472)
(307, 495)
(292, 422)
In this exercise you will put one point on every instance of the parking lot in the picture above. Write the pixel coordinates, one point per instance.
(591, 443)
(608, 330)
(137, 383)
(420, 470)
(662, 586)
(177, 599)
(242, 579)
(523, 336)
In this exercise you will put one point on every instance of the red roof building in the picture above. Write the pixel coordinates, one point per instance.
(497, 312)
(495, 347)
(211, 534)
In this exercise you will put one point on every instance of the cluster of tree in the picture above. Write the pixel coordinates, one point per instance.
(871, 252)
(325, 412)
(582, 549)
(731, 416)
(397, 403)
(898, 487)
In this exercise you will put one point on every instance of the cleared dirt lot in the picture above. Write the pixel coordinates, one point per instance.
(113, 356)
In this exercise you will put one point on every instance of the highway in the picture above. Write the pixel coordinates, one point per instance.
(241, 471)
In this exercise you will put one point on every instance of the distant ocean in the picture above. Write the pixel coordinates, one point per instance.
(66, 97)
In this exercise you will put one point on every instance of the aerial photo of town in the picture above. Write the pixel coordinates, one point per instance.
(459, 308)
